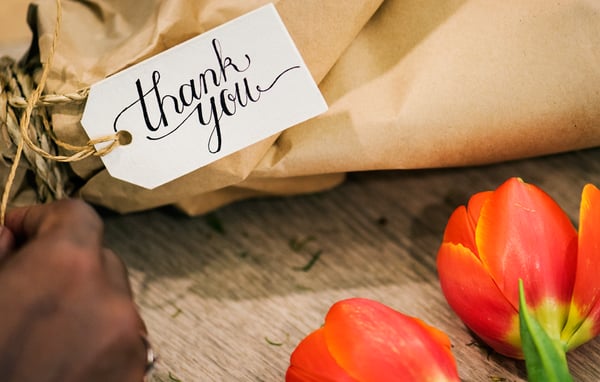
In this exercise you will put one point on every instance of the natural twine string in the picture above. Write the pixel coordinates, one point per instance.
(37, 100)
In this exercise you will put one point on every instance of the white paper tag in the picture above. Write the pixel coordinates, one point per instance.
(203, 99)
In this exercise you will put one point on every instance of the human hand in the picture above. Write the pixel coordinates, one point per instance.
(67, 312)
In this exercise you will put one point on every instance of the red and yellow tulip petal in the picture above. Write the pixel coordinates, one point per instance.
(524, 234)
(312, 362)
(587, 284)
(375, 343)
(586, 292)
(585, 330)
(463, 221)
(476, 299)
(437, 336)
(475, 205)
(459, 229)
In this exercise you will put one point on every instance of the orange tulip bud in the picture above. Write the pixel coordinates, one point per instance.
(519, 232)
(365, 341)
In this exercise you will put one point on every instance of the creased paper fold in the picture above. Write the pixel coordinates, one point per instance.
(410, 84)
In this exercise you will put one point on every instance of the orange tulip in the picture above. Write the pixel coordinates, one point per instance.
(365, 341)
(520, 232)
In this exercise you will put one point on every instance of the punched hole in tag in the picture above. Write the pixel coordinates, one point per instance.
(124, 137)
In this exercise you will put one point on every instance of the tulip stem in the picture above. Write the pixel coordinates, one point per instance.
(545, 358)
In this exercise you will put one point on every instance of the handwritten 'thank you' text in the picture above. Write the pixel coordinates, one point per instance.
(202, 100)
(215, 93)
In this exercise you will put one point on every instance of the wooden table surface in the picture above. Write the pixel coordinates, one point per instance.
(225, 295)
(226, 299)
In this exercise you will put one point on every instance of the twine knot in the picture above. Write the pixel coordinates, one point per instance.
(26, 128)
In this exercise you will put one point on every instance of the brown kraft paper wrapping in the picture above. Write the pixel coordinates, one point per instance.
(410, 84)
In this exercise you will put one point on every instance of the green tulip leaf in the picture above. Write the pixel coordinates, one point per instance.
(545, 358)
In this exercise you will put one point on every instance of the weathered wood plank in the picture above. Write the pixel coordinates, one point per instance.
(232, 306)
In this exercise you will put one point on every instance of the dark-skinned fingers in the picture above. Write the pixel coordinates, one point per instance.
(116, 271)
(118, 276)
(69, 219)
(125, 343)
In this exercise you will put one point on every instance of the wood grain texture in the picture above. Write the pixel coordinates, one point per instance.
(232, 305)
